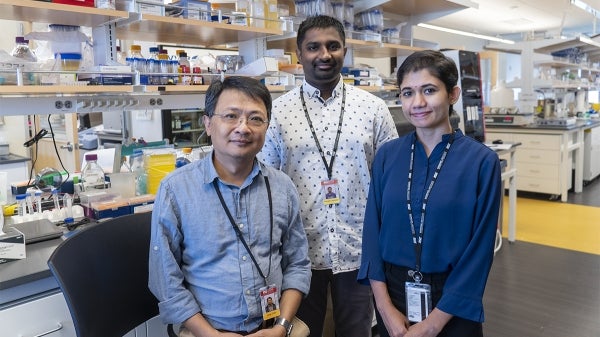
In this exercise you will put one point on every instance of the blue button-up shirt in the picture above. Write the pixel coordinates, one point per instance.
(197, 263)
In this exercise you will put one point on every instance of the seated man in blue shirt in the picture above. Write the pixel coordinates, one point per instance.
(226, 230)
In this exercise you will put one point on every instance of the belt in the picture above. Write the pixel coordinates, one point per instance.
(243, 333)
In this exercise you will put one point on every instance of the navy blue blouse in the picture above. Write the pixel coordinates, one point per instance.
(460, 223)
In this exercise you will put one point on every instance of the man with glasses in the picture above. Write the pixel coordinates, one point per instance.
(226, 230)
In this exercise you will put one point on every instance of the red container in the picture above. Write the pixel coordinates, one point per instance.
(85, 3)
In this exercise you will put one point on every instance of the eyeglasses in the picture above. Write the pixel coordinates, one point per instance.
(231, 118)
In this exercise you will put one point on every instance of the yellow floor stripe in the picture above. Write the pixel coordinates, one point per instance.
(556, 224)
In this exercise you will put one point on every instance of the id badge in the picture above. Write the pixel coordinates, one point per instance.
(330, 189)
(418, 301)
(269, 299)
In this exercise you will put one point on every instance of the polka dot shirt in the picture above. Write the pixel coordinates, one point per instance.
(334, 233)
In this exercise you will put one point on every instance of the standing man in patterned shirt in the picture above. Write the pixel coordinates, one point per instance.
(324, 134)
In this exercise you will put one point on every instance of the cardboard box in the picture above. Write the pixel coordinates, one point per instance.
(141, 203)
(12, 245)
(110, 209)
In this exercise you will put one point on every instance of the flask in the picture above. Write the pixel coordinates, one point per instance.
(92, 174)
(138, 169)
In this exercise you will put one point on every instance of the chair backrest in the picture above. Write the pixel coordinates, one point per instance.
(103, 273)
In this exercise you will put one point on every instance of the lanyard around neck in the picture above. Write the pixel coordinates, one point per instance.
(329, 166)
(239, 233)
(418, 237)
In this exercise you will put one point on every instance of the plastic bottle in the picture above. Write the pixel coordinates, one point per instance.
(55, 199)
(137, 167)
(184, 69)
(153, 66)
(22, 50)
(121, 56)
(92, 174)
(22, 205)
(38, 202)
(185, 158)
(68, 206)
(164, 67)
(174, 79)
(138, 62)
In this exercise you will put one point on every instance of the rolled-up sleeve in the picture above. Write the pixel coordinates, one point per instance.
(165, 278)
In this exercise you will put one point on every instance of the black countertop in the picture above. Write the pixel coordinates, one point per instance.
(29, 276)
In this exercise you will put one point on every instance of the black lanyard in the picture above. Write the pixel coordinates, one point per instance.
(239, 233)
(329, 166)
(418, 238)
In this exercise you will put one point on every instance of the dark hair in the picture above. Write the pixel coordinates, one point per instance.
(438, 65)
(248, 85)
(319, 21)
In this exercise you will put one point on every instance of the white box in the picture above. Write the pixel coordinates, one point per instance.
(12, 245)
(260, 67)
(152, 7)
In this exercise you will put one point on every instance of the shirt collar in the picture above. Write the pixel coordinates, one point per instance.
(314, 92)
(210, 173)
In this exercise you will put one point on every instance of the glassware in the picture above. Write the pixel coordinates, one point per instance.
(92, 174)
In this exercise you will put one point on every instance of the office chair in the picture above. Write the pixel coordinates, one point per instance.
(102, 271)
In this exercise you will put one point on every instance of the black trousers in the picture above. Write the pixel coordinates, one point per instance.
(397, 276)
(352, 304)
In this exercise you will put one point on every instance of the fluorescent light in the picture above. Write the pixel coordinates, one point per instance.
(460, 32)
(586, 7)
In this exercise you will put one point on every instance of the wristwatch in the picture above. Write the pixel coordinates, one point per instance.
(287, 325)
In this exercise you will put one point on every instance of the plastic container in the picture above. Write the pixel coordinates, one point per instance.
(92, 174)
(68, 61)
(138, 169)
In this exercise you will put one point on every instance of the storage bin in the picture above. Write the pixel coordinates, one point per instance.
(85, 3)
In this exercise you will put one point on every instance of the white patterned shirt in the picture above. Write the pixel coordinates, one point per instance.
(334, 233)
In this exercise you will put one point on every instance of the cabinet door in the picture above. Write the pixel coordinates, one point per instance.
(67, 144)
(45, 316)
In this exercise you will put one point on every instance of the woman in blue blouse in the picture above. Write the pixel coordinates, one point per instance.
(432, 213)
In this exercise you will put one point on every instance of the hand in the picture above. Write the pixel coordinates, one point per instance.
(421, 329)
(275, 331)
(395, 322)
(431, 326)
